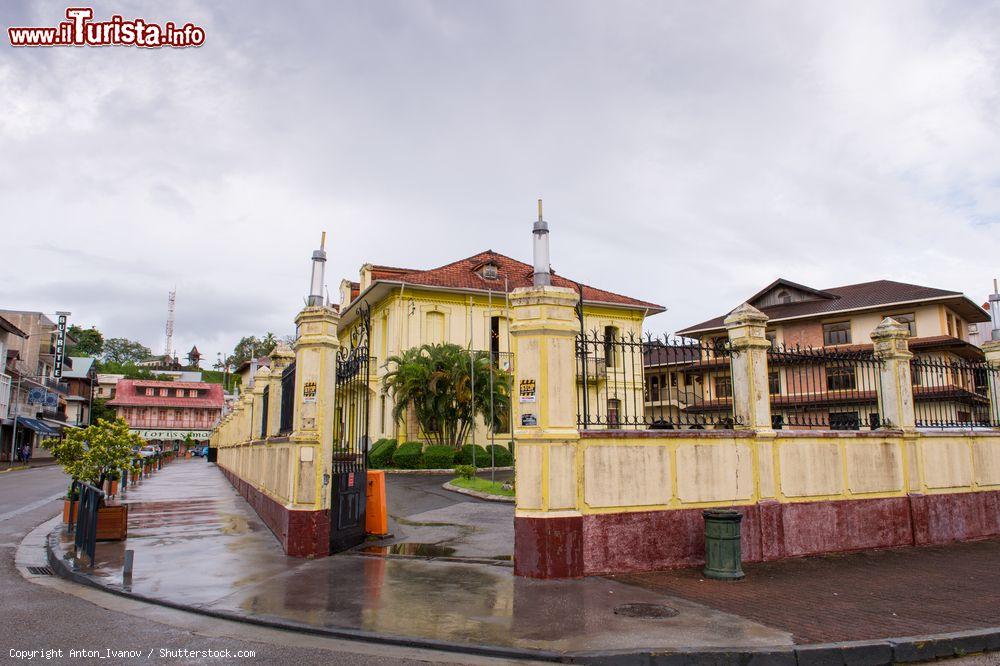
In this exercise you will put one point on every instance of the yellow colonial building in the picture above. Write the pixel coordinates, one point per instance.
(466, 303)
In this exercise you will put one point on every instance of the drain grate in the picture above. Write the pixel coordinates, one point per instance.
(40, 571)
(648, 611)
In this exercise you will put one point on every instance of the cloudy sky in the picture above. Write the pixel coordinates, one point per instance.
(688, 153)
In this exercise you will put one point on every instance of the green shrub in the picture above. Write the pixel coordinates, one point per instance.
(465, 471)
(438, 457)
(381, 452)
(464, 456)
(408, 455)
(501, 455)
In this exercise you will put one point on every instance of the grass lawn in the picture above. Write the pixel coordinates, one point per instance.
(483, 486)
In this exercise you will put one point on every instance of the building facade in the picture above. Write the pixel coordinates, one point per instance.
(839, 320)
(466, 303)
(168, 412)
(80, 375)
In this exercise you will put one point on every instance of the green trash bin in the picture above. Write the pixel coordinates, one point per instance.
(722, 544)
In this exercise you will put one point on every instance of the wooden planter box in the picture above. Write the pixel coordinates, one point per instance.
(112, 522)
(69, 511)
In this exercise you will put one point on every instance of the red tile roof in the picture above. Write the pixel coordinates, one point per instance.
(511, 274)
(127, 394)
(862, 296)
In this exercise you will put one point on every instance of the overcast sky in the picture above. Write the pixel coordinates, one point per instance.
(688, 153)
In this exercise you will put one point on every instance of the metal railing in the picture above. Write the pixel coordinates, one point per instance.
(955, 393)
(265, 399)
(89, 501)
(824, 388)
(641, 382)
(287, 399)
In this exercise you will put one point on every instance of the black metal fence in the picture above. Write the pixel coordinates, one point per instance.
(85, 536)
(955, 393)
(287, 399)
(823, 388)
(641, 382)
(265, 400)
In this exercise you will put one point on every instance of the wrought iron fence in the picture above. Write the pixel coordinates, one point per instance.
(287, 399)
(90, 500)
(824, 388)
(642, 382)
(265, 399)
(955, 393)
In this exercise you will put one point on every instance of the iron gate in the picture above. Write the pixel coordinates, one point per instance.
(350, 443)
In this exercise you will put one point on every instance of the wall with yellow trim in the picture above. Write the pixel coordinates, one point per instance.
(678, 471)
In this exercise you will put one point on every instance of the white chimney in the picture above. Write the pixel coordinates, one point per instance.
(542, 276)
(318, 273)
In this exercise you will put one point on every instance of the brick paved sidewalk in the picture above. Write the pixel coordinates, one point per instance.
(857, 596)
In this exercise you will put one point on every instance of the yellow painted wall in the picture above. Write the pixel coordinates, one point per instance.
(672, 471)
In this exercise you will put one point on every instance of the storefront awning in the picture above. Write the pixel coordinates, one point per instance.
(37, 426)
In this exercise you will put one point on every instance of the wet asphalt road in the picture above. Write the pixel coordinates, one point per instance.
(40, 618)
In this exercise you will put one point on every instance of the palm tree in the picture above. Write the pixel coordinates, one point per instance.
(447, 387)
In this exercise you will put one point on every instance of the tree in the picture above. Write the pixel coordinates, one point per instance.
(250, 347)
(447, 387)
(123, 350)
(90, 454)
(100, 410)
(89, 341)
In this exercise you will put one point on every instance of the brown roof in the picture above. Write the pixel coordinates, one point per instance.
(863, 296)
(10, 328)
(511, 274)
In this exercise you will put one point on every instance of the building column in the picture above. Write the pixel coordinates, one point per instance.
(281, 358)
(548, 524)
(992, 351)
(260, 380)
(895, 383)
(751, 398)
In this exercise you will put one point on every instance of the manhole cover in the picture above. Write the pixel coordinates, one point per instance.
(650, 611)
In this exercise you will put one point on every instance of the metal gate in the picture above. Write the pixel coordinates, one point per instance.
(350, 442)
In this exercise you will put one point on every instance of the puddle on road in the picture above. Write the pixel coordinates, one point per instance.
(414, 549)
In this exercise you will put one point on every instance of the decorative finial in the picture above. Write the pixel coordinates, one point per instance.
(318, 272)
(542, 273)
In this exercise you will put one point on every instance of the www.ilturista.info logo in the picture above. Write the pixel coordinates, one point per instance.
(80, 30)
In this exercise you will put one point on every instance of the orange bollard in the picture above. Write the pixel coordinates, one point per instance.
(376, 515)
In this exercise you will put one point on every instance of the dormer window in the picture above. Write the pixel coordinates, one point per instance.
(490, 272)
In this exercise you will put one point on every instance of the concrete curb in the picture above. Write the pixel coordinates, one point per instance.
(439, 471)
(875, 652)
(477, 493)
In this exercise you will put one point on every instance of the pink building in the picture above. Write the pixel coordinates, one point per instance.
(166, 413)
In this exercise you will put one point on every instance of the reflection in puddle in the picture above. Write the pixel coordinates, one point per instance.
(415, 549)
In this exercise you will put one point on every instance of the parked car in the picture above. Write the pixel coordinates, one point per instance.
(147, 451)
(199, 451)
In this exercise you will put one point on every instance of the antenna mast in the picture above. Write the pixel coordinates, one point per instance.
(168, 347)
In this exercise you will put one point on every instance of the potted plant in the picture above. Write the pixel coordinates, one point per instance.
(93, 455)
(111, 482)
(70, 503)
(67, 452)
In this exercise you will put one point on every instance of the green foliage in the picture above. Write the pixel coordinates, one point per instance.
(100, 410)
(464, 456)
(89, 341)
(447, 386)
(465, 471)
(247, 348)
(380, 454)
(501, 455)
(130, 370)
(408, 455)
(88, 454)
(438, 457)
(125, 351)
(485, 486)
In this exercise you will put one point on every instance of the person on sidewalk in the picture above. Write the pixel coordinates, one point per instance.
(26, 454)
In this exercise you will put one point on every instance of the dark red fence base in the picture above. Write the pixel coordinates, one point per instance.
(301, 533)
(648, 540)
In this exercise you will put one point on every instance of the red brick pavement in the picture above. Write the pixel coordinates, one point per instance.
(856, 596)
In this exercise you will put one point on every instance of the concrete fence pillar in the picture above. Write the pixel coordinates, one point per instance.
(315, 383)
(281, 358)
(992, 351)
(260, 380)
(895, 383)
(751, 399)
(548, 525)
